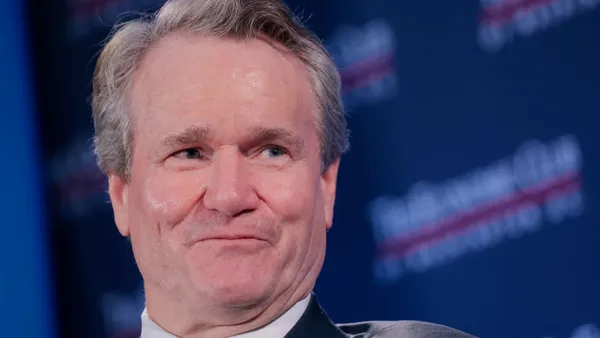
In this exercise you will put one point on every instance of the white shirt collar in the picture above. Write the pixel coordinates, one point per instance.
(276, 329)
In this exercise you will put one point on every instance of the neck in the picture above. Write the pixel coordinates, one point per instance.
(182, 320)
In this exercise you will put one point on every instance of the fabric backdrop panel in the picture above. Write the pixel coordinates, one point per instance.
(25, 283)
(467, 198)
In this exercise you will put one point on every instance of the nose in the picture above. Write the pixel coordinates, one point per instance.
(229, 190)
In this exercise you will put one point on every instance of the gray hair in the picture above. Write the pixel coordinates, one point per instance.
(236, 19)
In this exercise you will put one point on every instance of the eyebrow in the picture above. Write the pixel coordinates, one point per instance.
(289, 139)
(190, 135)
(194, 135)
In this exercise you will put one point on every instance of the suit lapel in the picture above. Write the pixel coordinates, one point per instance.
(314, 323)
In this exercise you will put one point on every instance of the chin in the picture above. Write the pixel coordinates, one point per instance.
(240, 293)
(234, 286)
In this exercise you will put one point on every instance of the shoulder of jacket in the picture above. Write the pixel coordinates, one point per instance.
(402, 328)
(365, 329)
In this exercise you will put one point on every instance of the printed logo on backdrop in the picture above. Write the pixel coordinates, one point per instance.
(77, 181)
(501, 21)
(435, 223)
(365, 57)
(583, 331)
(85, 16)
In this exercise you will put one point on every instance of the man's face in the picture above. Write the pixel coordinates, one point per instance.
(226, 205)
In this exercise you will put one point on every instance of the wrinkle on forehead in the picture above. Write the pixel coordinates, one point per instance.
(254, 68)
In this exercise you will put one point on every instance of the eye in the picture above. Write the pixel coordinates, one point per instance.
(190, 154)
(273, 152)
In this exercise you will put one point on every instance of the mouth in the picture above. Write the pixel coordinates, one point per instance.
(234, 238)
(227, 237)
(231, 238)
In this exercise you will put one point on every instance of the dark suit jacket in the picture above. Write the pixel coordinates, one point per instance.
(315, 323)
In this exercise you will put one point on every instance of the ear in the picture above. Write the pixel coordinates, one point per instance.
(117, 189)
(328, 186)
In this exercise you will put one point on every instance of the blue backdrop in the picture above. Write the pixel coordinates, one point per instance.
(25, 287)
(468, 198)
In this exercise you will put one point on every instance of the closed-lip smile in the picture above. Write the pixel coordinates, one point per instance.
(230, 237)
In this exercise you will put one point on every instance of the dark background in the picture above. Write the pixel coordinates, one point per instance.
(476, 122)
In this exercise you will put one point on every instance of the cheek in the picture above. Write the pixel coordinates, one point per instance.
(170, 197)
(289, 194)
(294, 199)
(160, 203)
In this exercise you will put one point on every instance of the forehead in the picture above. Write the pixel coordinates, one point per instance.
(215, 81)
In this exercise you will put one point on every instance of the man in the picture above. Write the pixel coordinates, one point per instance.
(220, 126)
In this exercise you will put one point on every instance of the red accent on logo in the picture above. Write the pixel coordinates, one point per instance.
(363, 73)
(504, 11)
(400, 247)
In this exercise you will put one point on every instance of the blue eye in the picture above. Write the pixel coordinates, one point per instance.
(274, 152)
(190, 154)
